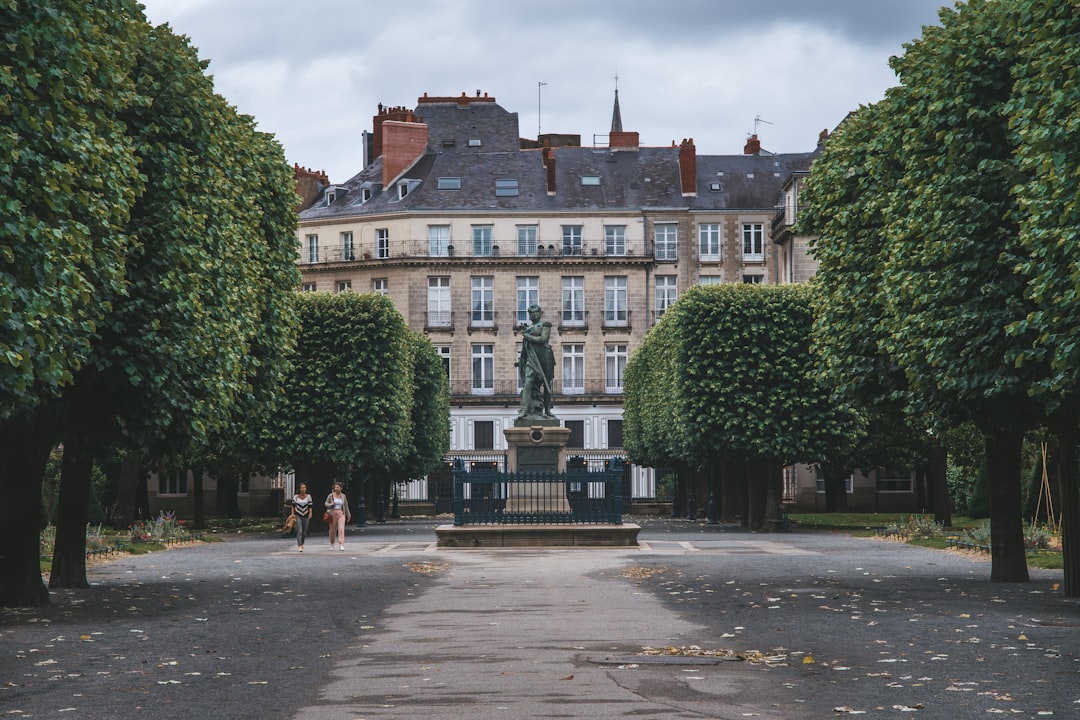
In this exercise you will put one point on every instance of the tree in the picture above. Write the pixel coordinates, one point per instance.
(69, 176)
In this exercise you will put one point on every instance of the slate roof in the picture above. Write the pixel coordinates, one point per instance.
(646, 178)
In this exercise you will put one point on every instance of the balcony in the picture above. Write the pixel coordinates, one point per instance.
(507, 391)
(439, 321)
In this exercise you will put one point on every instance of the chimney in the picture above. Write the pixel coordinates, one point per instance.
(308, 184)
(623, 140)
(403, 144)
(549, 165)
(398, 114)
(688, 167)
(753, 145)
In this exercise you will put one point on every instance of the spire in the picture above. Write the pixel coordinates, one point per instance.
(616, 116)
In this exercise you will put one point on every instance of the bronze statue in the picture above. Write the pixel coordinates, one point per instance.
(536, 367)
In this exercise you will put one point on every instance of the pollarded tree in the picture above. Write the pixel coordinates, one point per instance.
(348, 397)
(69, 175)
(429, 440)
(189, 343)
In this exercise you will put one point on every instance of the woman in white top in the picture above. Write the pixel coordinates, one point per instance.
(301, 512)
(338, 506)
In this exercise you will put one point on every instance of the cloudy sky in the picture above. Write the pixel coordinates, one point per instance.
(314, 73)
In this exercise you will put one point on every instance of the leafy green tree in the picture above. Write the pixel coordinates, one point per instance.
(347, 405)
(184, 347)
(429, 440)
(69, 175)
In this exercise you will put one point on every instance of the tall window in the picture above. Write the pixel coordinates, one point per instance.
(573, 369)
(615, 312)
(174, 483)
(752, 279)
(614, 367)
(614, 433)
(709, 241)
(443, 352)
(313, 248)
(483, 369)
(382, 243)
(438, 302)
(344, 286)
(308, 287)
(483, 435)
(481, 240)
(576, 440)
(571, 239)
(666, 293)
(438, 238)
(614, 239)
(526, 239)
(753, 242)
(710, 280)
(667, 241)
(483, 301)
(528, 293)
(379, 286)
(347, 246)
(573, 301)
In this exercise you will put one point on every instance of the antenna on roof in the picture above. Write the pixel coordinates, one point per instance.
(758, 121)
(539, 85)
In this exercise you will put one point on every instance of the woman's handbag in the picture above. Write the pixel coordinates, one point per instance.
(290, 523)
(326, 516)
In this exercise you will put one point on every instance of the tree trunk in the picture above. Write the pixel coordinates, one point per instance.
(127, 489)
(939, 486)
(228, 504)
(1068, 504)
(24, 452)
(732, 479)
(835, 490)
(757, 491)
(69, 552)
(199, 497)
(1008, 558)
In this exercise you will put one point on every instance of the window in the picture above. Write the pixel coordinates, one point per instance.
(173, 483)
(576, 440)
(313, 248)
(344, 286)
(347, 246)
(819, 481)
(614, 239)
(506, 188)
(448, 183)
(382, 243)
(483, 301)
(752, 279)
(483, 369)
(528, 293)
(526, 239)
(474, 142)
(711, 280)
(615, 312)
(483, 435)
(590, 179)
(443, 351)
(571, 239)
(614, 367)
(573, 369)
(365, 194)
(308, 287)
(331, 196)
(481, 240)
(438, 240)
(753, 242)
(379, 286)
(573, 301)
(709, 241)
(438, 302)
(614, 433)
(666, 293)
(893, 481)
(404, 188)
(667, 238)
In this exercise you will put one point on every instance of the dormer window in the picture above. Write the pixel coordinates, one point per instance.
(405, 187)
(333, 193)
(365, 194)
(506, 188)
(449, 183)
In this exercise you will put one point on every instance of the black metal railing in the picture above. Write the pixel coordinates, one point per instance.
(578, 496)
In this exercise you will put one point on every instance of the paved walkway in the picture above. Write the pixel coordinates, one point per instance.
(823, 625)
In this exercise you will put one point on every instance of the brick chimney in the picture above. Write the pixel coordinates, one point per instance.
(309, 184)
(623, 140)
(753, 146)
(549, 165)
(402, 144)
(688, 167)
(397, 114)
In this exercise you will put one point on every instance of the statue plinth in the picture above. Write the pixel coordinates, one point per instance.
(535, 445)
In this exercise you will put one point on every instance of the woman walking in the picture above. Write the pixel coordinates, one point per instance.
(301, 512)
(338, 506)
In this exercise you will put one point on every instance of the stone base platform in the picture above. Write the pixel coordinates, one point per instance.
(537, 536)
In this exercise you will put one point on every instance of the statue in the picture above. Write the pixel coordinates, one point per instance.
(536, 367)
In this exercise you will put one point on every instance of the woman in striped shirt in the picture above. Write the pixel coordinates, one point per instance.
(301, 511)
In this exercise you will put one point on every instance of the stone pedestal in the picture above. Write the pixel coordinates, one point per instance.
(535, 445)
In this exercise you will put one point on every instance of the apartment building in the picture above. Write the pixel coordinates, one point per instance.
(464, 224)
